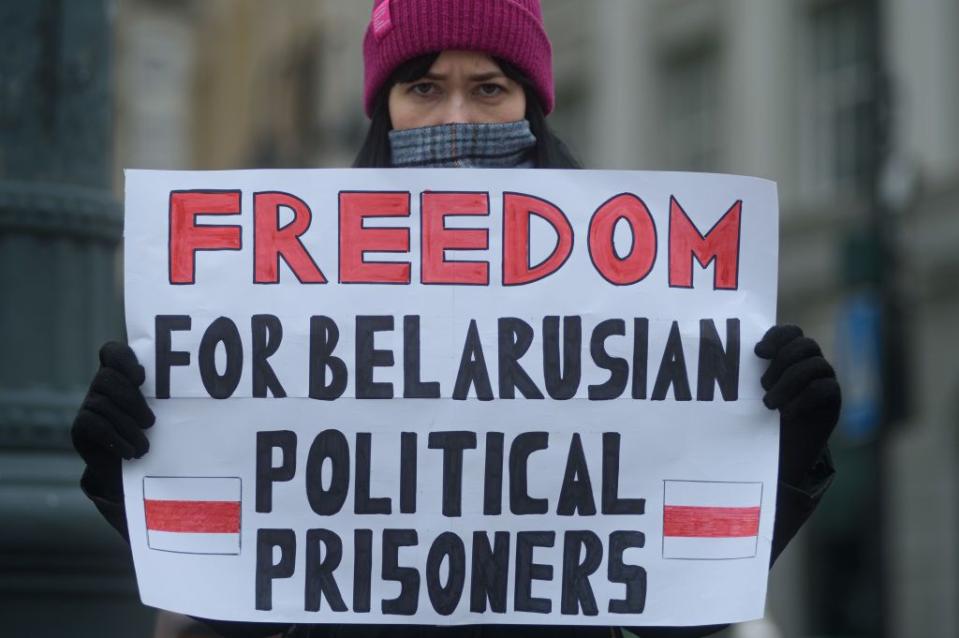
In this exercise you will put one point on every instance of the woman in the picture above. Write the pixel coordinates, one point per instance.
(468, 83)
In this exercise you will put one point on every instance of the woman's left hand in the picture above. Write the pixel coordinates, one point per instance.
(802, 385)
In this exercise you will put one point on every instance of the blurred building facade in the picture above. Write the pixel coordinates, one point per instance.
(60, 227)
(852, 106)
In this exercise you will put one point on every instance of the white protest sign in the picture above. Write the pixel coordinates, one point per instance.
(452, 396)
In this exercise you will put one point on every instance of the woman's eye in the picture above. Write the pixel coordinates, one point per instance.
(423, 88)
(489, 90)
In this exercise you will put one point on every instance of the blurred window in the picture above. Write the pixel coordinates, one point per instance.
(837, 99)
(570, 115)
(692, 110)
(287, 127)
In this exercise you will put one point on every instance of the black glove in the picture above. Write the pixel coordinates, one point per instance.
(110, 423)
(802, 385)
(109, 427)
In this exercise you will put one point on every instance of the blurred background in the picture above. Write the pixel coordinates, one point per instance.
(852, 106)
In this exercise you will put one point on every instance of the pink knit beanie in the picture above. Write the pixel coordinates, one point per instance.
(509, 29)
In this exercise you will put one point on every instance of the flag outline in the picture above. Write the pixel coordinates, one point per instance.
(662, 520)
(146, 530)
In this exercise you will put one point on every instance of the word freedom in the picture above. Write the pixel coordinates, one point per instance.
(562, 364)
(358, 237)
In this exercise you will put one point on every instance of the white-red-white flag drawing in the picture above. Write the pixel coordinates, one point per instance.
(192, 515)
(711, 519)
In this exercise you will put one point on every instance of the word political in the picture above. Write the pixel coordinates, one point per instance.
(562, 364)
(474, 565)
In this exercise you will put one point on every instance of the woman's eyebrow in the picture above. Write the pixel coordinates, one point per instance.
(483, 77)
(479, 77)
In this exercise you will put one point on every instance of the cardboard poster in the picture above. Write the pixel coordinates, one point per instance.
(453, 396)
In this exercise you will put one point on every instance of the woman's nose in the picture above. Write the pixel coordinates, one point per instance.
(458, 110)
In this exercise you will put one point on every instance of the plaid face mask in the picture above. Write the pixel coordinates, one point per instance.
(505, 145)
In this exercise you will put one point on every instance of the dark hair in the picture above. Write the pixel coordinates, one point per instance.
(549, 152)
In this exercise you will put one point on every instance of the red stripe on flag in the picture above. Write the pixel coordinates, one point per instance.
(710, 522)
(218, 517)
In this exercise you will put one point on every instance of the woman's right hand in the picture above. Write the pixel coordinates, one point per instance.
(109, 426)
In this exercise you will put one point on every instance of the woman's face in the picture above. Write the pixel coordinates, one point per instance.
(463, 87)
